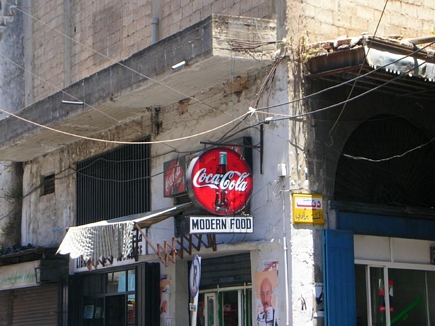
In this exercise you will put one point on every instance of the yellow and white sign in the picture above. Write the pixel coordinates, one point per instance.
(308, 209)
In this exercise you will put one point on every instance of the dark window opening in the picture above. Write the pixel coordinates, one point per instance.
(48, 185)
(403, 180)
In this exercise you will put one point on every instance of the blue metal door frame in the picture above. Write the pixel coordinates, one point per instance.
(339, 278)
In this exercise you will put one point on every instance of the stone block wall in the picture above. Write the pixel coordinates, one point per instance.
(329, 19)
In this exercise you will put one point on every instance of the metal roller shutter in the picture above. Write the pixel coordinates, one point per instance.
(36, 306)
(226, 271)
(4, 307)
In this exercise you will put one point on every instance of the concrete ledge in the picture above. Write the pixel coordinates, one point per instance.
(215, 49)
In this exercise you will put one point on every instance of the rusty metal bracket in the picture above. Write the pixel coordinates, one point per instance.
(170, 251)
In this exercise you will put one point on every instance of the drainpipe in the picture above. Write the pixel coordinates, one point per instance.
(284, 241)
(154, 30)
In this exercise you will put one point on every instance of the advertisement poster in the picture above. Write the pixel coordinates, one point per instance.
(266, 283)
(165, 285)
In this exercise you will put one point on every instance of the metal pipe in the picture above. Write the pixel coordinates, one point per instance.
(154, 30)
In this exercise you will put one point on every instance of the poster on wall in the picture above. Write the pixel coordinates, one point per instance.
(266, 283)
(174, 180)
(270, 265)
(165, 285)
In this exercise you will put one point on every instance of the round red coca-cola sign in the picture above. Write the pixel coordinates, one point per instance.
(220, 181)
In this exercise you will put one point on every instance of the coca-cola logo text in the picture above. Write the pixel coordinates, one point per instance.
(220, 181)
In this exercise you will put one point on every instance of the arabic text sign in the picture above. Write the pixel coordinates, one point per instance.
(308, 209)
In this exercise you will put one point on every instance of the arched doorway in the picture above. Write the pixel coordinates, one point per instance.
(387, 161)
(386, 181)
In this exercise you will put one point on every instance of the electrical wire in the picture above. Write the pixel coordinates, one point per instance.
(354, 83)
(120, 181)
(106, 56)
(164, 142)
(287, 117)
(55, 87)
(118, 141)
(361, 158)
(373, 71)
(215, 108)
(92, 107)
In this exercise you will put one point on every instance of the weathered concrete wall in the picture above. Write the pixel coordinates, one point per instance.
(74, 39)
(11, 54)
(45, 218)
(11, 100)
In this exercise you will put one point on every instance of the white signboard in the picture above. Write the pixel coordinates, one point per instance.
(218, 224)
(18, 275)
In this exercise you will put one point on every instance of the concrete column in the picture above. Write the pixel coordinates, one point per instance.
(155, 19)
(67, 20)
(11, 100)
(28, 52)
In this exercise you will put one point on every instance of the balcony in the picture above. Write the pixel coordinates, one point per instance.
(213, 51)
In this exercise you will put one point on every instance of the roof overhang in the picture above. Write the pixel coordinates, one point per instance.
(111, 238)
(213, 51)
(400, 67)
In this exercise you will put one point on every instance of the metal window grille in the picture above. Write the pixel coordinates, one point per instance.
(114, 184)
(48, 185)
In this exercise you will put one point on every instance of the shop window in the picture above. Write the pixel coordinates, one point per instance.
(229, 307)
(109, 299)
(394, 296)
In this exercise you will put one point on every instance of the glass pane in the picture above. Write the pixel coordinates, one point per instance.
(230, 308)
(248, 307)
(93, 312)
(408, 297)
(361, 295)
(377, 293)
(431, 294)
(210, 309)
(115, 310)
(131, 309)
(200, 317)
(116, 282)
(131, 280)
(93, 284)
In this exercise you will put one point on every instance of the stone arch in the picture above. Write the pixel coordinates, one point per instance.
(396, 180)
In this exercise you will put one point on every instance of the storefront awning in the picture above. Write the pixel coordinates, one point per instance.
(392, 65)
(111, 238)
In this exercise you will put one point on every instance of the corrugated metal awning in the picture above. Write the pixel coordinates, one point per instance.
(403, 67)
(111, 237)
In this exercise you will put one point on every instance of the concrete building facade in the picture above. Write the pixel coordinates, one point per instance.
(328, 103)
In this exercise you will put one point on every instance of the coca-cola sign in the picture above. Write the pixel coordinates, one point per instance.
(174, 177)
(220, 181)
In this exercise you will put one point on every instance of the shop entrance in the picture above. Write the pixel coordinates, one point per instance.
(387, 296)
(225, 307)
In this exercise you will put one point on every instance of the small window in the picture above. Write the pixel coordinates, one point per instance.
(48, 185)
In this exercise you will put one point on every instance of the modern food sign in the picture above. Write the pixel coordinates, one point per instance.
(220, 181)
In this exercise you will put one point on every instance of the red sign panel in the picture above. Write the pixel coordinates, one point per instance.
(220, 181)
(174, 177)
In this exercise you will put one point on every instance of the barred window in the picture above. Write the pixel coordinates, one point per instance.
(114, 184)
